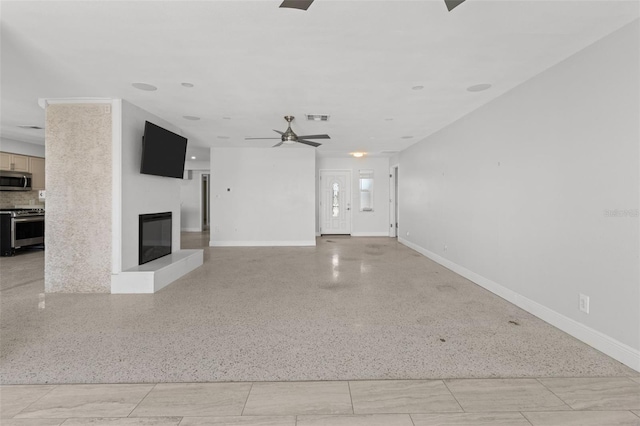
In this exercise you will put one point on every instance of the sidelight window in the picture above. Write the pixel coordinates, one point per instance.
(366, 190)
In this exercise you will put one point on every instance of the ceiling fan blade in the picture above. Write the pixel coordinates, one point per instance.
(314, 137)
(278, 131)
(297, 4)
(451, 4)
(316, 144)
(278, 144)
(248, 139)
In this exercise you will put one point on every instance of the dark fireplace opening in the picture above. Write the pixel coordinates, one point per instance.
(155, 236)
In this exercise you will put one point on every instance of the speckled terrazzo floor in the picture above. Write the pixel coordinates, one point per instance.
(348, 309)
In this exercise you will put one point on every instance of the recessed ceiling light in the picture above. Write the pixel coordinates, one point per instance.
(223, 137)
(193, 158)
(145, 87)
(407, 137)
(187, 84)
(191, 117)
(478, 87)
(358, 154)
(418, 87)
(30, 127)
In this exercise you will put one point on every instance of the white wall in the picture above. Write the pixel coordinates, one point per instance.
(518, 191)
(375, 223)
(271, 199)
(191, 202)
(143, 194)
(22, 148)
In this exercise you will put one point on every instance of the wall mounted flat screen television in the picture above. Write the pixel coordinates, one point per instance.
(163, 152)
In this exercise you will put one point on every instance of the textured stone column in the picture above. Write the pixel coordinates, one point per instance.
(78, 144)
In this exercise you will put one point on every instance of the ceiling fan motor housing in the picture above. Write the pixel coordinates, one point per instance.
(288, 135)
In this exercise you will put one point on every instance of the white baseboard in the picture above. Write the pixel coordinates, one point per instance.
(190, 230)
(600, 341)
(302, 243)
(370, 234)
(318, 234)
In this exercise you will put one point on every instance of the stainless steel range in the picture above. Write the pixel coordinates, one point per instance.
(20, 228)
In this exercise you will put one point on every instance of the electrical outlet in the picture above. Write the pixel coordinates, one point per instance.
(584, 303)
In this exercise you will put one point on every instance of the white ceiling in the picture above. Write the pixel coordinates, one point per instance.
(252, 62)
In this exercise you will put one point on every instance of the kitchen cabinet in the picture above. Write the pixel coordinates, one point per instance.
(18, 163)
(36, 166)
(5, 161)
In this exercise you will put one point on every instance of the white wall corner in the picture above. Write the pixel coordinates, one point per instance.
(608, 345)
(116, 190)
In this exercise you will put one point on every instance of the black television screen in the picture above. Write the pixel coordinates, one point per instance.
(163, 152)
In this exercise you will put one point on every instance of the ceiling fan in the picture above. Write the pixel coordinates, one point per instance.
(304, 4)
(289, 136)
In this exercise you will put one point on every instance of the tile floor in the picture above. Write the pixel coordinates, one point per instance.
(461, 402)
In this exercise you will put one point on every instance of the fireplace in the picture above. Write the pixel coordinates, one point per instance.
(154, 236)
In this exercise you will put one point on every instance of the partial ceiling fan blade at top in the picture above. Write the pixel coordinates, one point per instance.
(451, 4)
(314, 137)
(278, 132)
(316, 144)
(304, 4)
(297, 4)
(278, 144)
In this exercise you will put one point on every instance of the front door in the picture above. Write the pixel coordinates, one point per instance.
(335, 202)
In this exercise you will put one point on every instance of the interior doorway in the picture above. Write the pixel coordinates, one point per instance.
(206, 208)
(394, 203)
(335, 202)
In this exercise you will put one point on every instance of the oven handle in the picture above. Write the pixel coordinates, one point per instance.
(28, 219)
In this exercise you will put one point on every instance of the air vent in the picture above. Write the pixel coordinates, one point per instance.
(389, 152)
(30, 127)
(317, 117)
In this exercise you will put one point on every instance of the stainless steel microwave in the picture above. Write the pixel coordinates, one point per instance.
(15, 181)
